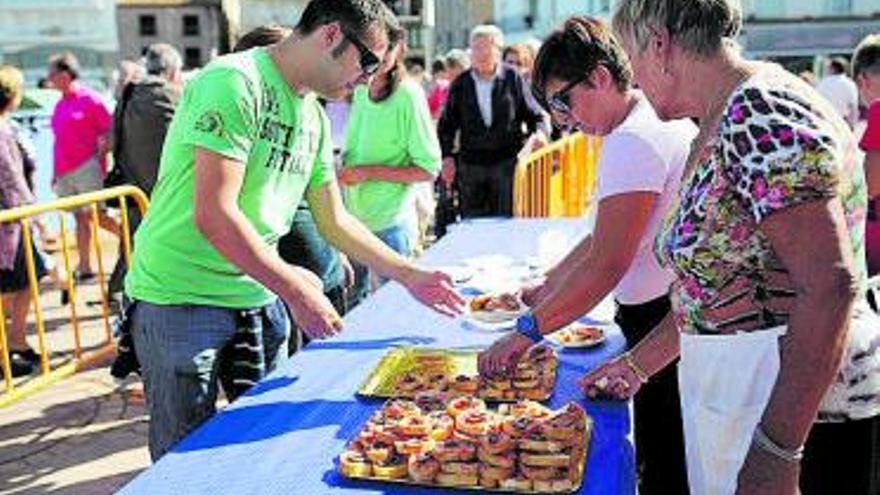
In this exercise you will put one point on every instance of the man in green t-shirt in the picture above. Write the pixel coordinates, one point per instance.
(249, 141)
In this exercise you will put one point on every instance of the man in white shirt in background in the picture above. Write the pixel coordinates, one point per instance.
(840, 90)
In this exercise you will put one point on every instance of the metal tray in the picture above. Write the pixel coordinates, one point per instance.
(381, 381)
(576, 485)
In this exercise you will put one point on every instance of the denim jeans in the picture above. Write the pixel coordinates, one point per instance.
(398, 239)
(184, 350)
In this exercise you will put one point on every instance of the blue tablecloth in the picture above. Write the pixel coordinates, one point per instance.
(283, 437)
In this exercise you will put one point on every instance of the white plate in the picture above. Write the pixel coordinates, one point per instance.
(495, 320)
(556, 337)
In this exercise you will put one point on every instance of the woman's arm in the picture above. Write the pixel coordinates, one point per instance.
(620, 225)
(623, 377)
(351, 175)
(822, 271)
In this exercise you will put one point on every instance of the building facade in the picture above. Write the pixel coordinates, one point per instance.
(32, 30)
(255, 13)
(807, 28)
(199, 29)
(454, 20)
(773, 28)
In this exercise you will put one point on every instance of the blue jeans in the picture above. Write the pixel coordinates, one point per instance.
(184, 351)
(398, 239)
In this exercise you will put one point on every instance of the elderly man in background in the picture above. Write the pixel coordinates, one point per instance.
(487, 110)
(140, 122)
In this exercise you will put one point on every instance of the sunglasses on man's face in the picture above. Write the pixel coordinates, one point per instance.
(560, 101)
(369, 62)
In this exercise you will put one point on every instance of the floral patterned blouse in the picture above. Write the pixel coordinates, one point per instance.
(774, 149)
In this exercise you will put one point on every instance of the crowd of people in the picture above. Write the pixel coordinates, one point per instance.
(736, 221)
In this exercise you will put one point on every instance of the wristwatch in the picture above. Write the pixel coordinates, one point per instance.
(527, 326)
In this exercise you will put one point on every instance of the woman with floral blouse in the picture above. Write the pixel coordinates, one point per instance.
(780, 368)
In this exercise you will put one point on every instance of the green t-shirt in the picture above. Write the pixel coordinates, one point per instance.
(395, 132)
(240, 107)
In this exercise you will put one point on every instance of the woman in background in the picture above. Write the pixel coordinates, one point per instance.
(391, 145)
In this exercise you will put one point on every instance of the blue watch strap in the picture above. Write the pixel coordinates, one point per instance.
(527, 326)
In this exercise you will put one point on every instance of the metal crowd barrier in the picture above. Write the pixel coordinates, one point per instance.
(81, 359)
(557, 180)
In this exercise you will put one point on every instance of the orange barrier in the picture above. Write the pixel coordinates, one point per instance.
(558, 180)
(23, 215)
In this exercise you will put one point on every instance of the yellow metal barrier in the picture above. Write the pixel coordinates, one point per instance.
(557, 180)
(80, 360)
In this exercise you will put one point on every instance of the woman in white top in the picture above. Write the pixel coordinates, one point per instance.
(583, 76)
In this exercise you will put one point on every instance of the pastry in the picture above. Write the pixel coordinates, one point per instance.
(545, 460)
(464, 384)
(454, 450)
(460, 404)
(423, 468)
(460, 480)
(355, 465)
(474, 422)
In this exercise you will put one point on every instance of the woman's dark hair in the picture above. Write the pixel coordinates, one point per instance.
(265, 35)
(575, 50)
(398, 70)
(439, 65)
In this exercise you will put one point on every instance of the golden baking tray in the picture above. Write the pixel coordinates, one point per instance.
(576, 484)
(381, 381)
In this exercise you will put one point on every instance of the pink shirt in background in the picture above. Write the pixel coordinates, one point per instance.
(79, 119)
(871, 138)
(437, 97)
(871, 142)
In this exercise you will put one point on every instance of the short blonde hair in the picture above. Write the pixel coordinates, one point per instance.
(488, 31)
(11, 86)
(701, 27)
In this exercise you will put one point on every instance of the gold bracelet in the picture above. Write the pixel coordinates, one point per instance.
(636, 369)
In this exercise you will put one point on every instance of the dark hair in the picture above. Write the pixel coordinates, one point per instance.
(265, 35)
(838, 65)
(398, 70)
(575, 50)
(439, 65)
(866, 59)
(355, 16)
(66, 62)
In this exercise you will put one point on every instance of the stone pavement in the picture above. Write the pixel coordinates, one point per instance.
(84, 435)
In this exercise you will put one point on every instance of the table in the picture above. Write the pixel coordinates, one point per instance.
(283, 437)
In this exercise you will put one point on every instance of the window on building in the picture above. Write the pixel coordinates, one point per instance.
(191, 25)
(840, 7)
(147, 25)
(192, 57)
